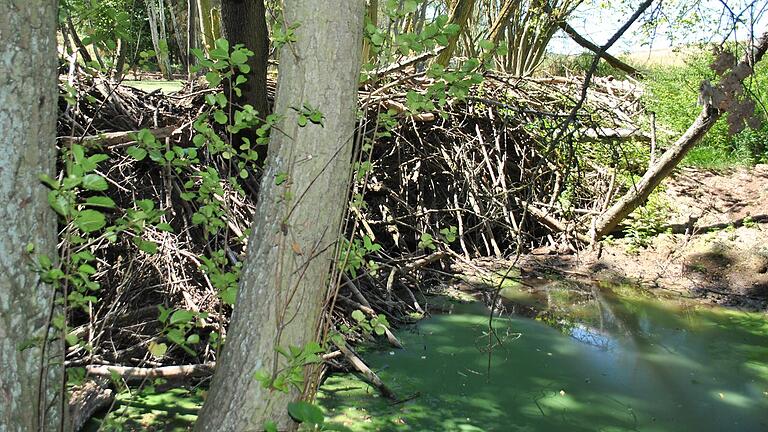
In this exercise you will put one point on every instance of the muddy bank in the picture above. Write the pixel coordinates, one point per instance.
(713, 248)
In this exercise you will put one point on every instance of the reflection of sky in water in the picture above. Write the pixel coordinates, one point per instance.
(592, 336)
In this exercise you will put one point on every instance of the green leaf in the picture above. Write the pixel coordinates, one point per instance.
(182, 316)
(358, 315)
(95, 182)
(48, 181)
(145, 246)
(270, 426)
(72, 339)
(89, 220)
(100, 201)
(198, 219)
(176, 336)
(71, 182)
(229, 295)
(410, 6)
(98, 157)
(86, 269)
(78, 153)
(145, 204)
(238, 57)
(301, 120)
(164, 227)
(193, 339)
(158, 350)
(213, 79)
(164, 313)
(486, 45)
(305, 412)
(137, 153)
(220, 117)
(221, 44)
(280, 178)
(58, 203)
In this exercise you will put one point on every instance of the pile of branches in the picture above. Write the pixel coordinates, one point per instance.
(481, 177)
(106, 117)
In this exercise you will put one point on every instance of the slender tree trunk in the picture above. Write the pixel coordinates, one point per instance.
(372, 16)
(192, 38)
(78, 42)
(502, 20)
(204, 14)
(302, 200)
(159, 41)
(30, 369)
(663, 167)
(122, 53)
(462, 10)
(215, 23)
(177, 33)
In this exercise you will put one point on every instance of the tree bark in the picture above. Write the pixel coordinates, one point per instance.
(204, 16)
(244, 22)
(460, 13)
(302, 200)
(502, 20)
(178, 34)
(637, 195)
(157, 30)
(192, 38)
(30, 369)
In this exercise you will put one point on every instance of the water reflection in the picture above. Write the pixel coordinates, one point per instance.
(571, 357)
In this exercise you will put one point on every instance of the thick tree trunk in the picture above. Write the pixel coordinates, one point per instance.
(302, 200)
(244, 22)
(30, 370)
(664, 166)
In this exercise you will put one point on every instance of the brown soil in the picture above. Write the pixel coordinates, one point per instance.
(718, 248)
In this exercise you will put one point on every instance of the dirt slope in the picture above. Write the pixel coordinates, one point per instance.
(717, 250)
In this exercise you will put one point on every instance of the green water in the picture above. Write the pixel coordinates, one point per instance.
(173, 410)
(151, 85)
(594, 359)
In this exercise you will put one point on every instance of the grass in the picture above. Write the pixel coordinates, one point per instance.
(672, 92)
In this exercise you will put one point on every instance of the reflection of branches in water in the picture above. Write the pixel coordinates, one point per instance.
(498, 339)
(593, 337)
(628, 408)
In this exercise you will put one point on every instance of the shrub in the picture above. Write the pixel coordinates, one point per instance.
(672, 93)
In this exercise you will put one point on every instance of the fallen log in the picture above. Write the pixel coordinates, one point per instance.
(91, 397)
(129, 373)
(693, 229)
(112, 139)
(367, 373)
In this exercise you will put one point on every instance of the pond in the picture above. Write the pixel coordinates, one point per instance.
(568, 357)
